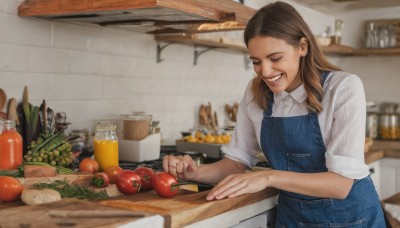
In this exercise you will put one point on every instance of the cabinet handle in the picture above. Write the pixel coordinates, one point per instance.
(371, 170)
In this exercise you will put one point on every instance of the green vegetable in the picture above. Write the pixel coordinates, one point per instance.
(11, 173)
(54, 150)
(67, 190)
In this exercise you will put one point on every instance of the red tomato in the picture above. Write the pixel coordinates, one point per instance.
(128, 182)
(89, 165)
(162, 184)
(146, 176)
(112, 172)
(10, 189)
(101, 180)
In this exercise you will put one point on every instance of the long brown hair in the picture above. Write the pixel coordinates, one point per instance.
(281, 20)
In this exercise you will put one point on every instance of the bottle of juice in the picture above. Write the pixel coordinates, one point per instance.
(10, 145)
(106, 145)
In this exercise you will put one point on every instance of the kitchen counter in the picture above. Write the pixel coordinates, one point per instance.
(382, 149)
(185, 209)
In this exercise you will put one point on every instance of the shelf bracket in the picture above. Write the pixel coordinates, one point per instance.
(160, 48)
(197, 53)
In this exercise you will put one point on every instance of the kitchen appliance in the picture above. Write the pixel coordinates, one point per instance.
(156, 164)
(140, 150)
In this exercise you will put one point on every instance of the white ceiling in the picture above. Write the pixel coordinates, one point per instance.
(329, 6)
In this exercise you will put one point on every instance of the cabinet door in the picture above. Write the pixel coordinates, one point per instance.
(375, 170)
(389, 185)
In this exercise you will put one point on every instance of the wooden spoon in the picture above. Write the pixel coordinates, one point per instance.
(3, 100)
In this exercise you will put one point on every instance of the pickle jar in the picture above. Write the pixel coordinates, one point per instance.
(106, 145)
(10, 145)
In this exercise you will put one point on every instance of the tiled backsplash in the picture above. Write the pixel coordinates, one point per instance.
(95, 73)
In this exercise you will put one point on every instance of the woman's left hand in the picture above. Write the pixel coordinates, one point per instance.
(239, 184)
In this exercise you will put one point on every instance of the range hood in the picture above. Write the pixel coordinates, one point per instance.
(150, 16)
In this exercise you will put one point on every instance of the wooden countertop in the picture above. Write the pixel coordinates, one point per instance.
(382, 149)
(183, 209)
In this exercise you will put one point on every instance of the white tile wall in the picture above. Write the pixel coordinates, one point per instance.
(95, 73)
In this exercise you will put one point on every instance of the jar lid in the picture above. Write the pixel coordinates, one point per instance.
(137, 116)
(106, 127)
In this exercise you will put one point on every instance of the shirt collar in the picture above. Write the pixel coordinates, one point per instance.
(299, 95)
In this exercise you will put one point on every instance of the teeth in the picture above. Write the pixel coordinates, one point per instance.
(274, 78)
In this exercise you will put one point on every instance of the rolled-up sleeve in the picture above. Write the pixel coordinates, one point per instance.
(345, 151)
(243, 145)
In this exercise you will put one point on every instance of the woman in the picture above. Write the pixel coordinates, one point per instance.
(308, 117)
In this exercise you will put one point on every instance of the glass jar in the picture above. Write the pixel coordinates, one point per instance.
(136, 126)
(106, 145)
(372, 125)
(389, 126)
(10, 145)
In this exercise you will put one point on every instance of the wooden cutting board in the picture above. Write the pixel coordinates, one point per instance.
(40, 215)
(78, 178)
(184, 209)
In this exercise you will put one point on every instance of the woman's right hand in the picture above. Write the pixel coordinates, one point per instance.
(182, 167)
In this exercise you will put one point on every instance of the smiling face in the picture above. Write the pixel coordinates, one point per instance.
(277, 62)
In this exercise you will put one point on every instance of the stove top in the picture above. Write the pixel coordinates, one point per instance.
(157, 164)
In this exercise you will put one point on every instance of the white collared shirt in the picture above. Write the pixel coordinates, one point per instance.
(342, 124)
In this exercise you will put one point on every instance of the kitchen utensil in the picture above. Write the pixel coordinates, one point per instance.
(3, 100)
(12, 110)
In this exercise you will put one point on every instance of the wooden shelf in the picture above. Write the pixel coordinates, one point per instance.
(337, 50)
(345, 50)
(155, 17)
(236, 45)
(382, 51)
(193, 39)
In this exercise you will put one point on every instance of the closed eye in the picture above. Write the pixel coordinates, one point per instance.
(276, 59)
(255, 63)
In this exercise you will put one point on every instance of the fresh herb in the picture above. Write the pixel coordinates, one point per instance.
(67, 190)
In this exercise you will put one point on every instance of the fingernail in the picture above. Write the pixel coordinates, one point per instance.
(209, 197)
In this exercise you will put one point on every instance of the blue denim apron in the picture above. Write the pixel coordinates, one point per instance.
(296, 144)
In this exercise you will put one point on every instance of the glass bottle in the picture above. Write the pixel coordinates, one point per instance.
(106, 145)
(10, 146)
(371, 36)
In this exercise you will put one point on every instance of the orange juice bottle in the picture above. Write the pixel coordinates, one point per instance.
(106, 145)
(10, 145)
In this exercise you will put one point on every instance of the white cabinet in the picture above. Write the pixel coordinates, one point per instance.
(375, 172)
(389, 177)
